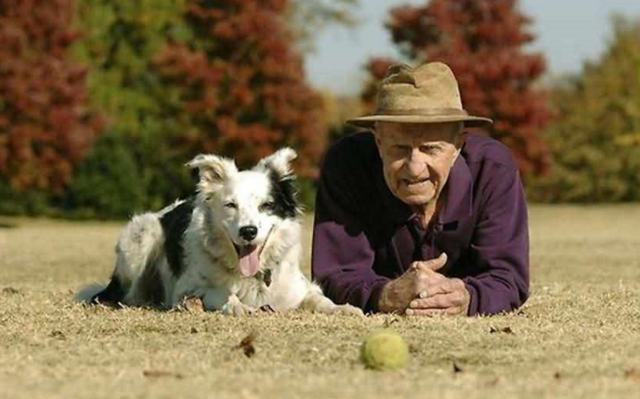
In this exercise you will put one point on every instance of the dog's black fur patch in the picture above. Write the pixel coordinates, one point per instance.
(174, 224)
(283, 190)
(112, 294)
(150, 286)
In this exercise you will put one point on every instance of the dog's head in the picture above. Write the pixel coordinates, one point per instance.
(247, 204)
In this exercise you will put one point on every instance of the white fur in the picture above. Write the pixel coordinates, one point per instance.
(227, 200)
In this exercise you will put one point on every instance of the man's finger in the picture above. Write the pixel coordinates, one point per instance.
(433, 264)
(443, 286)
(441, 301)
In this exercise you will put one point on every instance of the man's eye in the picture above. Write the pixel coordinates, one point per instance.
(231, 205)
(399, 150)
(431, 149)
(267, 206)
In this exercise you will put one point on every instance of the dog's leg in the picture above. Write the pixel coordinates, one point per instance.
(315, 301)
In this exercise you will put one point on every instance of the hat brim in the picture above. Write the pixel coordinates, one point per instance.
(468, 120)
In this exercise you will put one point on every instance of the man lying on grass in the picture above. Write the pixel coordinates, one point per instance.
(417, 217)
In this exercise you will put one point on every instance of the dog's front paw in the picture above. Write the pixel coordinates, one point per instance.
(236, 308)
(348, 310)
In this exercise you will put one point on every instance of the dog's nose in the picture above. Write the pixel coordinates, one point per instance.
(248, 232)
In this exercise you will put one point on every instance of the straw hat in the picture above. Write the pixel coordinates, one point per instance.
(426, 94)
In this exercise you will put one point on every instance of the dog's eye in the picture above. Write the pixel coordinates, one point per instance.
(231, 205)
(267, 206)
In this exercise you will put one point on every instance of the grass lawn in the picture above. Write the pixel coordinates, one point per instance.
(578, 336)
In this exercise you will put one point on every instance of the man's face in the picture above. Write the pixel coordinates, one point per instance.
(417, 158)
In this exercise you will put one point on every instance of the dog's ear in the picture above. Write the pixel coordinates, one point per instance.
(279, 162)
(213, 169)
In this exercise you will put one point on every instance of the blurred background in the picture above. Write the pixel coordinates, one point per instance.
(103, 101)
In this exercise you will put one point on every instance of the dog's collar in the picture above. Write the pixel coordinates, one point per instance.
(264, 276)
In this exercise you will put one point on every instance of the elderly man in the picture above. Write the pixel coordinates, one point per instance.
(417, 217)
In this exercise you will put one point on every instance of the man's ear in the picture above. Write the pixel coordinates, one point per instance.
(213, 170)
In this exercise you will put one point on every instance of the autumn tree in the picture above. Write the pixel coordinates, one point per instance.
(595, 139)
(242, 84)
(482, 41)
(45, 124)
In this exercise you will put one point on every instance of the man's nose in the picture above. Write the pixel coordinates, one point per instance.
(415, 164)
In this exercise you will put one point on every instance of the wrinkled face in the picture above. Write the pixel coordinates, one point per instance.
(417, 158)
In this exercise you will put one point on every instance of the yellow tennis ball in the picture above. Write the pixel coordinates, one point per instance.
(384, 350)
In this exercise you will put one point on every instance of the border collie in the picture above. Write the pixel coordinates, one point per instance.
(236, 246)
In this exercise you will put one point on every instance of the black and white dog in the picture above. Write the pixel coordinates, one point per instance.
(236, 245)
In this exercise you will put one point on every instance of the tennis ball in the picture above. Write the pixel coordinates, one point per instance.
(384, 350)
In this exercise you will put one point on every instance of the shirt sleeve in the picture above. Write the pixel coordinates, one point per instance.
(500, 247)
(342, 257)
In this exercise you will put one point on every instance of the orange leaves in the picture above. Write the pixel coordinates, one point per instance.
(47, 127)
(242, 83)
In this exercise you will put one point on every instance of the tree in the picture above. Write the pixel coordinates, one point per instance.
(45, 124)
(595, 139)
(482, 41)
(121, 39)
(242, 84)
(107, 183)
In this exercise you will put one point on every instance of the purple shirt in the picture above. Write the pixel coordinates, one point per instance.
(364, 236)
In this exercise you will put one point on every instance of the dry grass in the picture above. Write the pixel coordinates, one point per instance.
(578, 336)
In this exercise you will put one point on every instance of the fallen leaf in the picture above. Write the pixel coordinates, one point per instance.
(457, 369)
(194, 330)
(390, 320)
(247, 344)
(192, 304)
(557, 375)
(57, 334)
(10, 291)
(632, 374)
(506, 330)
(161, 374)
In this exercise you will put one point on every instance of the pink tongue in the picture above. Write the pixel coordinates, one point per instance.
(249, 262)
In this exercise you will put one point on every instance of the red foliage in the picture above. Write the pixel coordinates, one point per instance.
(45, 128)
(243, 84)
(481, 40)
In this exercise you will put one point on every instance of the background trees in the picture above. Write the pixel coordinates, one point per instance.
(46, 126)
(102, 102)
(595, 138)
(182, 77)
(241, 85)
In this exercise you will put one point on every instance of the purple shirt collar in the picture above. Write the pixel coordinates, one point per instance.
(458, 194)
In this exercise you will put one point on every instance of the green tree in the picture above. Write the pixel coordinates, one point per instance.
(595, 139)
(107, 183)
(121, 41)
